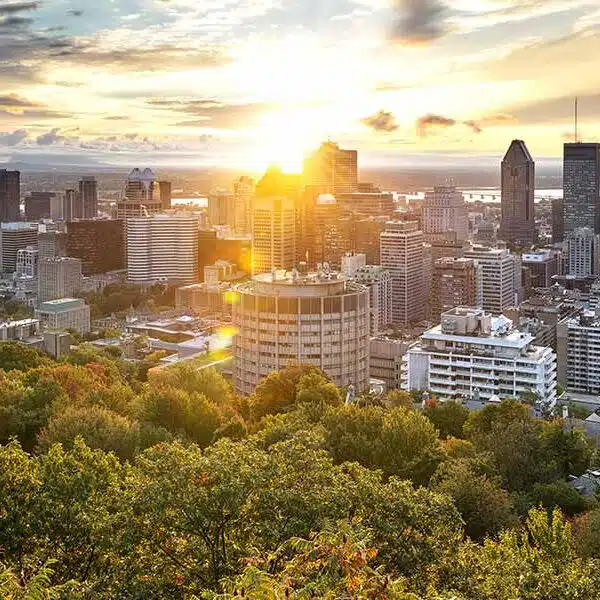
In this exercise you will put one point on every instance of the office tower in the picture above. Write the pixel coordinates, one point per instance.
(445, 215)
(351, 263)
(379, 282)
(88, 192)
(221, 209)
(273, 234)
(326, 239)
(455, 282)
(581, 187)
(366, 238)
(73, 205)
(15, 237)
(583, 260)
(486, 232)
(27, 262)
(331, 169)
(558, 220)
(498, 271)
(163, 248)
(58, 278)
(402, 255)
(319, 319)
(543, 265)
(495, 360)
(165, 192)
(374, 203)
(52, 242)
(38, 205)
(99, 243)
(142, 196)
(518, 194)
(277, 183)
(64, 313)
(243, 192)
(10, 196)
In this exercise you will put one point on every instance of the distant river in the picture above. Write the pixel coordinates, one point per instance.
(195, 200)
(491, 195)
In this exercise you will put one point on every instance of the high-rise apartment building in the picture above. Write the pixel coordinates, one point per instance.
(332, 169)
(500, 272)
(379, 282)
(518, 194)
(455, 282)
(583, 258)
(88, 192)
(402, 255)
(99, 243)
(166, 194)
(15, 237)
(445, 215)
(10, 196)
(273, 234)
(142, 195)
(581, 187)
(52, 240)
(38, 205)
(163, 248)
(319, 319)
(243, 192)
(58, 278)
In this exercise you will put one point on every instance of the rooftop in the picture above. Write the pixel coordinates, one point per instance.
(62, 304)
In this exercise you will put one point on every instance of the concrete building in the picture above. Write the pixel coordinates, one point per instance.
(500, 271)
(558, 220)
(51, 241)
(19, 330)
(473, 355)
(99, 243)
(163, 248)
(57, 343)
(221, 209)
(543, 265)
(366, 236)
(455, 282)
(581, 187)
(58, 278)
(165, 190)
(142, 196)
(331, 169)
(379, 282)
(319, 319)
(351, 263)
(37, 205)
(402, 255)
(273, 234)
(385, 360)
(583, 258)
(243, 193)
(88, 193)
(518, 193)
(445, 215)
(15, 237)
(10, 196)
(27, 262)
(64, 313)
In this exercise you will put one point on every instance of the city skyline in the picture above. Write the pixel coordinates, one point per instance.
(245, 83)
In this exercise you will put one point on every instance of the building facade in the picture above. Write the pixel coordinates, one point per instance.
(142, 195)
(243, 193)
(583, 259)
(64, 313)
(331, 169)
(445, 215)
(15, 237)
(59, 278)
(10, 196)
(165, 190)
(518, 194)
(379, 282)
(385, 360)
(163, 248)
(473, 355)
(27, 262)
(581, 187)
(37, 205)
(98, 243)
(402, 255)
(319, 319)
(88, 192)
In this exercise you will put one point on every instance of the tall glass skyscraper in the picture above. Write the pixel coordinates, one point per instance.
(581, 185)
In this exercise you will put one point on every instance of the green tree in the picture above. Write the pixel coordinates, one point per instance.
(448, 417)
(586, 533)
(397, 398)
(20, 357)
(559, 494)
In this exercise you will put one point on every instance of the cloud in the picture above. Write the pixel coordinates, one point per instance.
(50, 138)
(14, 101)
(419, 21)
(381, 121)
(75, 13)
(13, 138)
(15, 7)
(431, 122)
(426, 123)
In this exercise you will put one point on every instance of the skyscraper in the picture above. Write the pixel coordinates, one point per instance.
(58, 278)
(581, 186)
(88, 192)
(332, 169)
(274, 234)
(221, 208)
(14, 237)
(445, 215)
(142, 196)
(10, 196)
(163, 247)
(165, 190)
(402, 255)
(243, 191)
(558, 220)
(583, 246)
(38, 205)
(99, 243)
(518, 194)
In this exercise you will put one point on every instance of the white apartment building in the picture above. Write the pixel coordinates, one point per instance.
(583, 249)
(351, 263)
(445, 214)
(578, 349)
(64, 313)
(58, 278)
(163, 247)
(319, 319)
(474, 355)
(379, 282)
(273, 234)
(402, 255)
(500, 276)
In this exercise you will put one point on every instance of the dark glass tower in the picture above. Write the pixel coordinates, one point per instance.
(10, 196)
(88, 193)
(581, 186)
(518, 193)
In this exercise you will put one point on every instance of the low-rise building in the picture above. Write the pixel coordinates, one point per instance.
(57, 343)
(64, 313)
(385, 360)
(19, 330)
(474, 355)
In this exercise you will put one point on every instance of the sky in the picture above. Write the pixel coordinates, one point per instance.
(245, 83)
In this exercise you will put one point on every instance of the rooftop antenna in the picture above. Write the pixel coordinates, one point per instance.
(576, 120)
